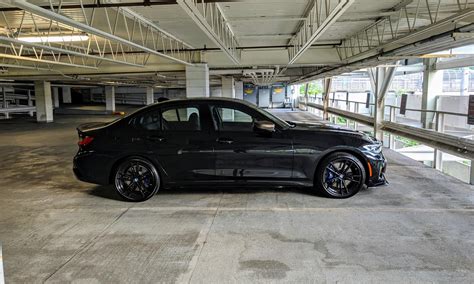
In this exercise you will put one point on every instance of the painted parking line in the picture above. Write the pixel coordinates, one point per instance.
(2, 276)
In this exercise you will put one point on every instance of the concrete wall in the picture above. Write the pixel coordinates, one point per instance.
(454, 104)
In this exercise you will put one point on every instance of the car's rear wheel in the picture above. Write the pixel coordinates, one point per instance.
(340, 175)
(136, 179)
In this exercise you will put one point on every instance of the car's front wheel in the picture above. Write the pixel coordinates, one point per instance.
(340, 175)
(136, 179)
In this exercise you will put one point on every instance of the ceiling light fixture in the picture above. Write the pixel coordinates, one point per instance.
(54, 38)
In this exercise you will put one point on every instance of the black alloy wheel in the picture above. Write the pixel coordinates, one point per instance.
(136, 179)
(340, 175)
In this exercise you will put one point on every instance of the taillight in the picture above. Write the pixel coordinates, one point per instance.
(85, 141)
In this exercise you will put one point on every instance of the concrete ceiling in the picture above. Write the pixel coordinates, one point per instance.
(263, 29)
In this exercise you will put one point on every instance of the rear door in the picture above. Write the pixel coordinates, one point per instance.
(243, 154)
(179, 139)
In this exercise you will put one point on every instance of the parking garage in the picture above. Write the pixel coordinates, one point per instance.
(400, 71)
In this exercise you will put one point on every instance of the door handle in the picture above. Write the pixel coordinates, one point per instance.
(156, 138)
(225, 140)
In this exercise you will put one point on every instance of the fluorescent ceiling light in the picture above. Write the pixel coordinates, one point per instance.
(54, 38)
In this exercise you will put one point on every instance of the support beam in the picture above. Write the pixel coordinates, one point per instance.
(67, 99)
(319, 19)
(197, 81)
(403, 26)
(126, 19)
(150, 95)
(326, 92)
(44, 101)
(381, 78)
(228, 88)
(110, 99)
(432, 88)
(212, 21)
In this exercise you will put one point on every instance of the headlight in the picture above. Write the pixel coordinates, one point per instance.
(373, 148)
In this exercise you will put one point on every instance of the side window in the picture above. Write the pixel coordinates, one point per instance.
(148, 121)
(181, 119)
(229, 119)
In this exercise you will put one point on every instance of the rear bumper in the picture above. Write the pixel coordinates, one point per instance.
(91, 167)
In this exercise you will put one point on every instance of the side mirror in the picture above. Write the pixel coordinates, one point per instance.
(264, 126)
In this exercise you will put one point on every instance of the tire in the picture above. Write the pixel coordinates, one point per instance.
(340, 175)
(136, 179)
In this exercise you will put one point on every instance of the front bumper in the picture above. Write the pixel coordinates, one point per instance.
(377, 166)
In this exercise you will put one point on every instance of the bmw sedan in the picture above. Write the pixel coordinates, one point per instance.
(223, 142)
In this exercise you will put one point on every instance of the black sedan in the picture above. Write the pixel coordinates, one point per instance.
(224, 142)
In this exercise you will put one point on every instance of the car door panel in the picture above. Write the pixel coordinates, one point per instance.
(185, 154)
(245, 155)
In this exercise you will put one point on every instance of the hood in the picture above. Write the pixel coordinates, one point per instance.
(331, 128)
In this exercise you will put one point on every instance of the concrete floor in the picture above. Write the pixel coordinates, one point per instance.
(53, 228)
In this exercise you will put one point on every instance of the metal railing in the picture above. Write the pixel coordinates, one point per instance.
(436, 138)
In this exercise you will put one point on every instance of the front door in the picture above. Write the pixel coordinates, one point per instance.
(182, 144)
(243, 154)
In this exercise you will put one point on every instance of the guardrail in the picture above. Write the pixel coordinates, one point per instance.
(17, 109)
(435, 138)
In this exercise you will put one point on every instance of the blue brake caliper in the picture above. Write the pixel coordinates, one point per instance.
(329, 177)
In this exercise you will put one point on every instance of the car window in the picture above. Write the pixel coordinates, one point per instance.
(148, 121)
(230, 119)
(181, 119)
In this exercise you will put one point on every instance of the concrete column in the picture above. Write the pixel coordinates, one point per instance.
(4, 97)
(306, 89)
(150, 95)
(465, 81)
(326, 92)
(228, 88)
(381, 78)
(432, 87)
(239, 90)
(110, 98)
(56, 97)
(30, 102)
(44, 101)
(216, 92)
(197, 81)
(67, 95)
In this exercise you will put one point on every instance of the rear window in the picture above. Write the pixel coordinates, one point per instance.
(181, 119)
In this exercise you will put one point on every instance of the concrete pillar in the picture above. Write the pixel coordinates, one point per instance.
(150, 95)
(56, 97)
(465, 81)
(239, 90)
(432, 87)
(381, 78)
(44, 101)
(30, 102)
(67, 95)
(326, 92)
(306, 89)
(228, 88)
(110, 98)
(4, 98)
(216, 92)
(197, 81)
